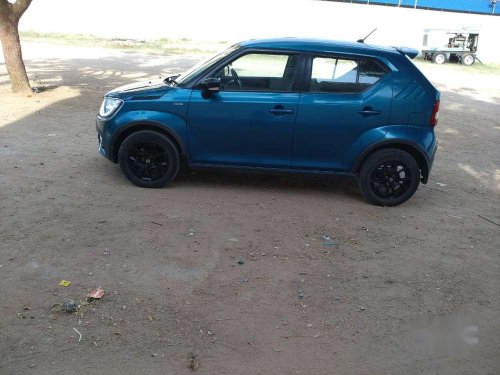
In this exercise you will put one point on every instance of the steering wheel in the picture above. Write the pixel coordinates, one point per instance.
(236, 79)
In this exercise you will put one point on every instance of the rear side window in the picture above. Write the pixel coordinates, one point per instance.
(335, 75)
(370, 72)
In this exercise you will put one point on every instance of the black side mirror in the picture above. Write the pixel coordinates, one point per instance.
(210, 86)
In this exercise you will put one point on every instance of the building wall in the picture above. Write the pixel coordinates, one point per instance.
(236, 20)
(467, 6)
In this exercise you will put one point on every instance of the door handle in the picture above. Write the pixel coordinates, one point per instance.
(280, 110)
(369, 111)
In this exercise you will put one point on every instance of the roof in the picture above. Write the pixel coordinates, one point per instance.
(317, 45)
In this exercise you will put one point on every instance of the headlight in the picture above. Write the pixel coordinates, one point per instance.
(109, 106)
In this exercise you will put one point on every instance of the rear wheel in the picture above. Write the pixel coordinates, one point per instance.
(468, 60)
(149, 159)
(439, 58)
(389, 177)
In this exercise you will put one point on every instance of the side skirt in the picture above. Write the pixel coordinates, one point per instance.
(266, 170)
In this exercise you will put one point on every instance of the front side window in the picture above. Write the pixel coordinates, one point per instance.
(259, 72)
(335, 75)
(203, 65)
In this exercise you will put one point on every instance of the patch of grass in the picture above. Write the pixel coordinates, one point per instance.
(476, 68)
(158, 46)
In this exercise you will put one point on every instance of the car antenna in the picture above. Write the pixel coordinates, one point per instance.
(363, 40)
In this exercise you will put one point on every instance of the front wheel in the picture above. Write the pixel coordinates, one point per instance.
(389, 177)
(149, 159)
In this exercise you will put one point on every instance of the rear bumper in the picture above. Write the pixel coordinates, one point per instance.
(431, 154)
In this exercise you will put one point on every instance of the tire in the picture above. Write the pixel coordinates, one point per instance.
(389, 177)
(439, 58)
(149, 159)
(468, 60)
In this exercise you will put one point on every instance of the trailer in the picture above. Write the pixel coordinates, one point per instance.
(456, 45)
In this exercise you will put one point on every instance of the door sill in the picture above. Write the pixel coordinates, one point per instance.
(270, 170)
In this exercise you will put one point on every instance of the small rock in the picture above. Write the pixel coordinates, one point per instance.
(70, 306)
(192, 362)
(328, 241)
(300, 294)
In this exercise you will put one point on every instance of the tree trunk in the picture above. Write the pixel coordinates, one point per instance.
(11, 45)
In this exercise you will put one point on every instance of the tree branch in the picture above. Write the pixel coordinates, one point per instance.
(5, 10)
(5, 7)
(19, 7)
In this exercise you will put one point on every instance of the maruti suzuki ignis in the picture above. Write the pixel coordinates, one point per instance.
(282, 105)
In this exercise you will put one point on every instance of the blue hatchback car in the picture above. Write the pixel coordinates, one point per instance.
(282, 105)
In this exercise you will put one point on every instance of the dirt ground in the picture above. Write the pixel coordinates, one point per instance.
(413, 289)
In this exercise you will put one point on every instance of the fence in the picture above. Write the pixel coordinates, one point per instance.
(462, 6)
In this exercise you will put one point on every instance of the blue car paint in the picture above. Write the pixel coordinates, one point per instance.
(237, 128)
(166, 112)
(323, 133)
(332, 124)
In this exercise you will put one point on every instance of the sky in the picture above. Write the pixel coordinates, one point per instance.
(236, 20)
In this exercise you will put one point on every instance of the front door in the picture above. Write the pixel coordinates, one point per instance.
(249, 122)
(346, 105)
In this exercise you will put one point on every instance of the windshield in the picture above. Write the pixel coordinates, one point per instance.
(200, 67)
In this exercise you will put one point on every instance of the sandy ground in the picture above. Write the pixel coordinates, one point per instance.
(407, 290)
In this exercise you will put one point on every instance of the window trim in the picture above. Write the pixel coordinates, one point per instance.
(306, 83)
(296, 85)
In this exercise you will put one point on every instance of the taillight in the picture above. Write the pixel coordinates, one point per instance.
(435, 113)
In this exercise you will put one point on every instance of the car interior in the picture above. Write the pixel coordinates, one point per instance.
(344, 76)
(267, 74)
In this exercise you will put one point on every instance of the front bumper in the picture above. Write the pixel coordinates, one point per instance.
(101, 149)
(103, 138)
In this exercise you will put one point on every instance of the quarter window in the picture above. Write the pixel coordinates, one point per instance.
(334, 75)
(259, 72)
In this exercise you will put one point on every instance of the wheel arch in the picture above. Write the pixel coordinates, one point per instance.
(135, 126)
(413, 149)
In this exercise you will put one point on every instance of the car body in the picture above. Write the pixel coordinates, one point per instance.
(283, 105)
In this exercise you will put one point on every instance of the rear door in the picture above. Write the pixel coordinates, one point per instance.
(344, 100)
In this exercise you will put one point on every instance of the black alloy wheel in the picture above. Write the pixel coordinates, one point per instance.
(149, 159)
(389, 177)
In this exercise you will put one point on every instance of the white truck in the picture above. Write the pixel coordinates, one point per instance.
(452, 45)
